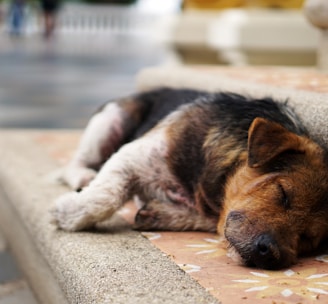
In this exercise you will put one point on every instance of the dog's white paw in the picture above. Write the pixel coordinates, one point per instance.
(78, 177)
(70, 213)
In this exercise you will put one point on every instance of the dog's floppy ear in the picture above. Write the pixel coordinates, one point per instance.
(267, 139)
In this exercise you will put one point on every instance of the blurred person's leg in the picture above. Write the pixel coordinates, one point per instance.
(49, 24)
(16, 17)
(49, 11)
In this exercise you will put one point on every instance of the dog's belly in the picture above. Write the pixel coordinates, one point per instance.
(156, 181)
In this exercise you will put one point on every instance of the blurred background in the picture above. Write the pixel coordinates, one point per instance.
(61, 59)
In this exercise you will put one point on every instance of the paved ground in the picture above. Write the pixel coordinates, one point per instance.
(58, 84)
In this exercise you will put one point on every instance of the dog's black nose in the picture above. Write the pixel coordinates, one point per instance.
(265, 252)
(263, 245)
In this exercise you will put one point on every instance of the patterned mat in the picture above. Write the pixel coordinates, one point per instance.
(300, 79)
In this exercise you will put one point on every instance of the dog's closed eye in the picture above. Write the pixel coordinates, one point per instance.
(284, 198)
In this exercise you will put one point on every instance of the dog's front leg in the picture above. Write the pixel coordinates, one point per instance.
(100, 139)
(105, 194)
(105, 133)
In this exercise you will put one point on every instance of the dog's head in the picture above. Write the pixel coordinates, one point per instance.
(276, 205)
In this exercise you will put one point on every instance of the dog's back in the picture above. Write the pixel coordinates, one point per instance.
(230, 110)
(155, 105)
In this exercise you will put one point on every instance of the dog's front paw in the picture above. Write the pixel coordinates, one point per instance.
(70, 214)
(78, 177)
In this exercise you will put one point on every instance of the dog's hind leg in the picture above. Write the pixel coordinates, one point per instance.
(107, 130)
(157, 215)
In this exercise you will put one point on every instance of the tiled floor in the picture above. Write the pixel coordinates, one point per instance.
(58, 84)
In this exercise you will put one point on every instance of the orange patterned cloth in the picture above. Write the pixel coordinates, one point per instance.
(223, 4)
(300, 79)
(204, 257)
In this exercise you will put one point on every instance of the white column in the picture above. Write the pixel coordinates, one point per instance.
(316, 12)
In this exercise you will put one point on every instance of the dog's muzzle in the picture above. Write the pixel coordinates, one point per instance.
(256, 248)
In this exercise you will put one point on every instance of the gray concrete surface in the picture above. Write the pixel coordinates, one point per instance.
(13, 286)
(9, 270)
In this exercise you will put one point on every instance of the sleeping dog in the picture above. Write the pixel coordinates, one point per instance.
(223, 162)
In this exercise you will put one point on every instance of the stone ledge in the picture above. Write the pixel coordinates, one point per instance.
(86, 267)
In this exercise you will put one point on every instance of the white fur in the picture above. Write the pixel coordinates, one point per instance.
(111, 187)
(102, 126)
(235, 256)
(140, 162)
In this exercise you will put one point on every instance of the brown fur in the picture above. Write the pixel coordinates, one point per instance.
(255, 203)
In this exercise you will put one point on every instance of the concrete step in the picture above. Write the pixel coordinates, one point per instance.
(86, 267)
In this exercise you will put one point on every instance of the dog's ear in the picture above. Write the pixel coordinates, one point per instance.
(267, 139)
